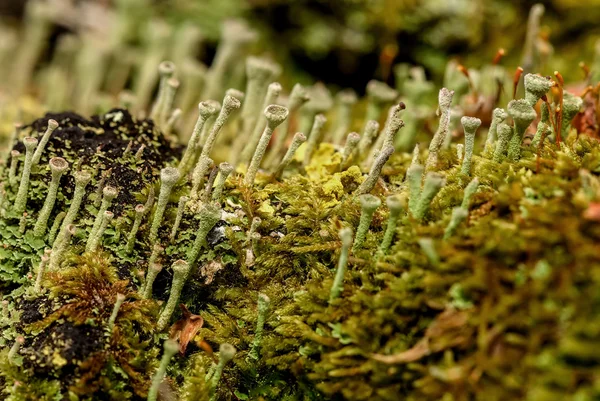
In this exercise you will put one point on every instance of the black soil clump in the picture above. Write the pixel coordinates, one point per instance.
(101, 144)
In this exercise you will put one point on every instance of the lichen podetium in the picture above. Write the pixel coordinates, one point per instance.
(139, 260)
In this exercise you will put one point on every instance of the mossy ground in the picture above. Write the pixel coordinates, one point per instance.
(504, 309)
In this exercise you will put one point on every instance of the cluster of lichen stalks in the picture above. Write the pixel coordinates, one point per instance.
(285, 258)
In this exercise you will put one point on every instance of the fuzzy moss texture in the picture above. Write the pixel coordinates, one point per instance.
(345, 268)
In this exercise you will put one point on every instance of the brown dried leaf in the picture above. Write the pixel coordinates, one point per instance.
(186, 328)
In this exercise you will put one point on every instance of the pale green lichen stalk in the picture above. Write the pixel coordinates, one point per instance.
(396, 206)
(275, 115)
(170, 348)
(470, 125)
(58, 166)
(263, 307)
(523, 115)
(169, 176)
(368, 205)
(338, 282)
(21, 198)
(180, 269)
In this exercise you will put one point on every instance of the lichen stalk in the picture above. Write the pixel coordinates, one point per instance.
(369, 183)
(41, 270)
(226, 354)
(396, 205)
(346, 99)
(444, 102)
(224, 170)
(12, 172)
(59, 248)
(299, 139)
(58, 166)
(170, 348)
(368, 205)
(180, 271)
(120, 298)
(169, 176)
(523, 115)
(153, 270)
(21, 198)
(470, 125)
(52, 125)
(96, 238)
(55, 226)
(504, 134)
(498, 116)
(297, 98)
(263, 308)
(275, 115)
(314, 137)
(338, 282)
(108, 194)
(273, 92)
(140, 211)
(180, 209)
(209, 215)
(459, 214)
(431, 186)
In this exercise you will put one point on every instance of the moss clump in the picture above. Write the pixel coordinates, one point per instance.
(261, 292)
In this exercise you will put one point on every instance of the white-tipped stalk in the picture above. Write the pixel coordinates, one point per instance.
(369, 183)
(263, 308)
(180, 209)
(96, 238)
(170, 349)
(273, 91)
(470, 125)
(224, 170)
(345, 101)
(338, 283)
(275, 115)
(108, 194)
(180, 272)
(351, 142)
(206, 110)
(41, 270)
(226, 354)
(12, 172)
(153, 270)
(58, 250)
(368, 205)
(166, 70)
(504, 134)
(58, 166)
(396, 206)
(314, 137)
(209, 215)
(52, 125)
(445, 101)
(297, 98)
(230, 104)
(169, 176)
(21, 198)
(498, 116)
(82, 179)
(115, 312)
(299, 139)
(369, 133)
